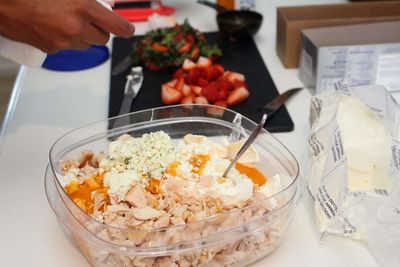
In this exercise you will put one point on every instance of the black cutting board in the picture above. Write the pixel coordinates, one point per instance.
(242, 57)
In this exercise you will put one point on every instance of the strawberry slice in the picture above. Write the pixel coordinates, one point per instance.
(200, 100)
(186, 90)
(188, 65)
(179, 84)
(187, 99)
(179, 73)
(211, 92)
(204, 62)
(196, 89)
(171, 83)
(238, 83)
(238, 95)
(232, 76)
(170, 95)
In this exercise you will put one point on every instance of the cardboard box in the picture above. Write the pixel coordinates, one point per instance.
(291, 20)
(356, 54)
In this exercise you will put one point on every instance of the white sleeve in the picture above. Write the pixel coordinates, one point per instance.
(21, 53)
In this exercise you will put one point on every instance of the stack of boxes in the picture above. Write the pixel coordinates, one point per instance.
(366, 51)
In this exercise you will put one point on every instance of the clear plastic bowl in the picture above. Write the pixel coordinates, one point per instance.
(235, 238)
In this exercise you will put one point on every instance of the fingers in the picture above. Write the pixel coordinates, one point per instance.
(109, 21)
(82, 45)
(93, 35)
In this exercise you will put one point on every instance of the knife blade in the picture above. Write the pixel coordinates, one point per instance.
(132, 87)
(122, 65)
(276, 103)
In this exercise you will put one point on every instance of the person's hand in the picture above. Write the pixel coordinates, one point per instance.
(55, 25)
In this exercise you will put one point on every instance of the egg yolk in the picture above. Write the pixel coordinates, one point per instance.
(81, 193)
(171, 169)
(154, 186)
(198, 161)
(255, 175)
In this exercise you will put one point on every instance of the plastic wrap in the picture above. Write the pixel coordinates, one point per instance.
(354, 172)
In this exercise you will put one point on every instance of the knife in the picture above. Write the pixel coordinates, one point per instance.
(132, 87)
(122, 65)
(273, 106)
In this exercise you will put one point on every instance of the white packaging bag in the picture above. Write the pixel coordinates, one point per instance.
(354, 172)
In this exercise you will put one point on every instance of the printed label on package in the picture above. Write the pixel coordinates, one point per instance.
(316, 146)
(337, 147)
(396, 156)
(326, 203)
(388, 70)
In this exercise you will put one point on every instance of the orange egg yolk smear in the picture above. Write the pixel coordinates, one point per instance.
(81, 193)
(199, 162)
(172, 168)
(154, 186)
(255, 175)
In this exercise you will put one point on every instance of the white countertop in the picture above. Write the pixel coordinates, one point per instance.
(47, 104)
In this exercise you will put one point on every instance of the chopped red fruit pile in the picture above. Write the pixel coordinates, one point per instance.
(205, 83)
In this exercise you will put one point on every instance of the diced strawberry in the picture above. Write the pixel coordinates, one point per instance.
(193, 76)
(204, 62)
(179, 73)
(179, 84)
(187, 99)
(211, 92)
(202, 82)
(232, 76)
(185, 48)
(221, 103)
(224, 84)
(195, 53)
(220, 68)
(238, 83)
(188, 65)
(171, 83)
(222, 94)
(215, 72)
(238, 95)
(205, 73)
(196, 89)
(186, 90)
(200, 100)
(170, 95)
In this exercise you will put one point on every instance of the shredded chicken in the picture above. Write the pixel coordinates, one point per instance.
(172, 209)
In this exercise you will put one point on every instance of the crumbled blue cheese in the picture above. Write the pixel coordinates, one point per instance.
(148, 155)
